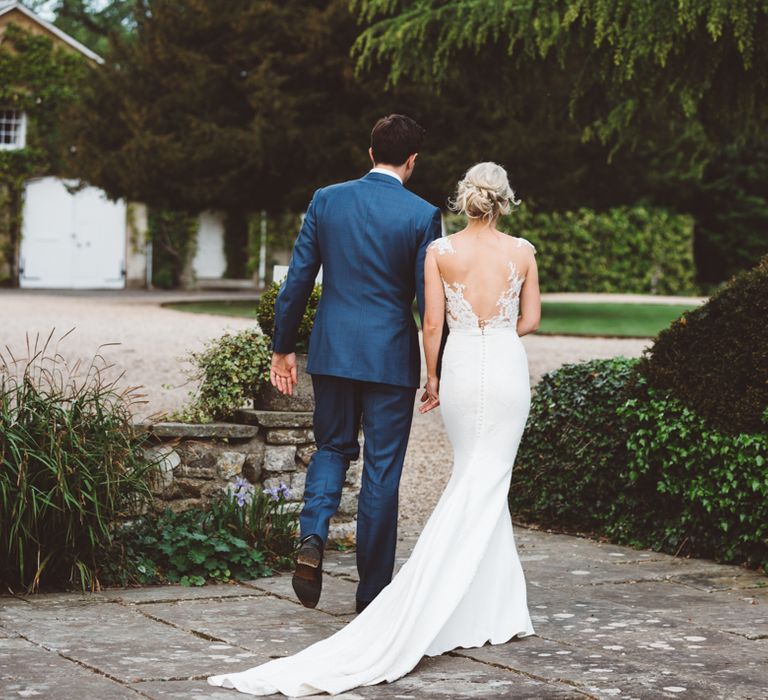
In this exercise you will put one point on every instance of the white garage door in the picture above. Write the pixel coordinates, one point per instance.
(71, 240)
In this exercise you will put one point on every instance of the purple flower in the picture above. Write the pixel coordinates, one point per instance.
(241, 491)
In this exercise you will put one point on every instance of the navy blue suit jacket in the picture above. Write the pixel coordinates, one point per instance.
(371, 237)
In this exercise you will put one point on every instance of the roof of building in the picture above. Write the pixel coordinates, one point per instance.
(6, 7)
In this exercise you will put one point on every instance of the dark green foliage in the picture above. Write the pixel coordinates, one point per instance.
(606, 454)
(714, 359)
(629, 62)
(566, 471)
(90, 22)
(70, 465)
(245, 532)
(627, 249)
(173, 235)
(266, 314)
(231, 370)
(691, 488)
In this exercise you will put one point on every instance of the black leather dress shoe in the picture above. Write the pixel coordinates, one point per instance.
(361, 605)
(308, 576)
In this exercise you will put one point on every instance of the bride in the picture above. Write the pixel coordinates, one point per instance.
(463, 585)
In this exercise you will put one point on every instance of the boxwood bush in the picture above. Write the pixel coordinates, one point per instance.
(566, 469)
(714, 358)
(607, 454)
(265, 314)
(626, 249)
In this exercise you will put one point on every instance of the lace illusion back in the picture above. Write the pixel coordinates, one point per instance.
(462, 305)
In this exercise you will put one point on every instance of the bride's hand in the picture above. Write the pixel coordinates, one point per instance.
(431, 397)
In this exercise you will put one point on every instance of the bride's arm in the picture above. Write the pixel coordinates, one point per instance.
(530, 301)
(434, 316)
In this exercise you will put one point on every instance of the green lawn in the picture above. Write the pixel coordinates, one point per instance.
(558, 318)
(624, 320)
(233, 307)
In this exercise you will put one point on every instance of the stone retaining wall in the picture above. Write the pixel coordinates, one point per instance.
(196, 461)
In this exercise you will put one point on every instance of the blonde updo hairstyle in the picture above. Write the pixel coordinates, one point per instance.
(484, 193)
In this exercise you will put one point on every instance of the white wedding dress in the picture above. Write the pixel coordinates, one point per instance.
(463, 585)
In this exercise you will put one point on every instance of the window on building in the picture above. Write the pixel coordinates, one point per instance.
(13, 129)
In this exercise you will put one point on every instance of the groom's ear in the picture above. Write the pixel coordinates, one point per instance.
(370, 153)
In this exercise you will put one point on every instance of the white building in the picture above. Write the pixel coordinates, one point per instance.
(76, 237)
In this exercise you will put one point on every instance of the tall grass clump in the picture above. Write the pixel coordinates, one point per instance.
(71, 466)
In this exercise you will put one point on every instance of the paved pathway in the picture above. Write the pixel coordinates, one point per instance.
(611, 622)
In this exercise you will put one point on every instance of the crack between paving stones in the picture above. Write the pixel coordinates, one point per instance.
(526, 674)
(201, 635)
(181, 600)
(86, 666)
(272, 594)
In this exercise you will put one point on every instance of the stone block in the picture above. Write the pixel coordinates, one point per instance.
(198, 460)
(182, 488)
(254, 462)
(229, 464)
(348, 504)
(305, 453)
(165, 460)
(204, 430)
(275, 419)
(354, 474)
(280, 458)
(342, 531)
(298, 483)
(296, 436)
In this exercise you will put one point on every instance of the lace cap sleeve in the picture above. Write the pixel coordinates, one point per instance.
(521, 242)
(442, 246)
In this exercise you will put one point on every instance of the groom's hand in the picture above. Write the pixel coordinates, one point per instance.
(431, 397)
(284, 374)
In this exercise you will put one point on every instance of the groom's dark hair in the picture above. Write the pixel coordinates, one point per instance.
(394, 138)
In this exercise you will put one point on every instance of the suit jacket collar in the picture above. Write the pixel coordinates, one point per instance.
(380, 177)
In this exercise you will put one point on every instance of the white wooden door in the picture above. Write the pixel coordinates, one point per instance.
(71, 240)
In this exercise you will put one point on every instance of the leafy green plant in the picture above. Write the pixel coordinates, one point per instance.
(714, 359)
(608, 454)
(568, 468)
(244, 533)
(263, 518)
(71, 466)
(231, 370)
(266, 314)
(625, 249)
(691, 488)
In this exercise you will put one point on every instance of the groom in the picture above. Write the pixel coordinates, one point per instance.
(370, 236)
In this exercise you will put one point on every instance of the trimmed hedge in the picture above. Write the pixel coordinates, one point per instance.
(565, 471)
(607, 454)
(715, 358)
(265, 314)
(692, 488)
(626, 249)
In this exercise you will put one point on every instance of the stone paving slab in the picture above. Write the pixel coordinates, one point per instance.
(438, 678)
(48, 675)
(267, 625)
(338, 597)
(637, 625)
(600, 675)
(116, 640)
(726, 611)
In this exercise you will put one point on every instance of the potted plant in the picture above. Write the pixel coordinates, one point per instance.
(268, 398)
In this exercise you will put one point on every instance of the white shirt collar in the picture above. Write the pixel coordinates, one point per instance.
(386, 171)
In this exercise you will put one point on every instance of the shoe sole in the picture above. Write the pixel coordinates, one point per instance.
(307, 581)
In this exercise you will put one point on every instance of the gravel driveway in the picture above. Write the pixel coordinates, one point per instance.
(152, 339)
